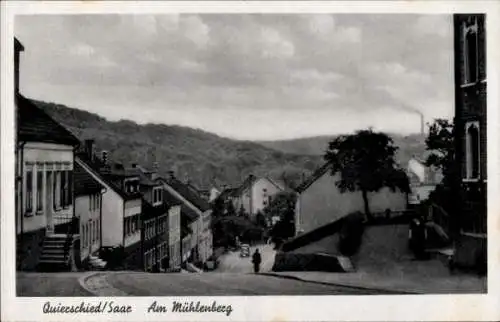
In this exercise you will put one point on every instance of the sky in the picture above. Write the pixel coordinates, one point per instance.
(245, 76)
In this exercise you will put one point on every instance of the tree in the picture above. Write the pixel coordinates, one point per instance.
(440, 144)
(282, 206)
(260, 219)
(230, 210)
(366, 163)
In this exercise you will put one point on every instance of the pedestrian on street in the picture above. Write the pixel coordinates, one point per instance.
(256, 260)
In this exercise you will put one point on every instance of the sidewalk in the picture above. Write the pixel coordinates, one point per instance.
(413, 279)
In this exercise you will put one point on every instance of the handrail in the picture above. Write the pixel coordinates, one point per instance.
(444, 212)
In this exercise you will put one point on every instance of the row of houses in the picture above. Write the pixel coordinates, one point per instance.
(73, 205)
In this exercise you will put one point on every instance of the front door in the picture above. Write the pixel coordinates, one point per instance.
(49, 203)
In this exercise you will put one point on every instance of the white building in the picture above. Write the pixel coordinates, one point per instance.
(320, 201)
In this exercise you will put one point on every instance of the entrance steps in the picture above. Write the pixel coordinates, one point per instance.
(55, 256)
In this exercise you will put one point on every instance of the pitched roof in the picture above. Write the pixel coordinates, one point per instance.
(187, 193)
(143, 176)
(189, 213)
(227, 193)
(108, 179)
(312, 178)
(33, 124)
(84, 183)
(170, 199)
(247, 183)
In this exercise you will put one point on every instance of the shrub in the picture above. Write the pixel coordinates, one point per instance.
(351, 233)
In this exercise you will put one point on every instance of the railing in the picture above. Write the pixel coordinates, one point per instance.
(68, 244)
(438, 215)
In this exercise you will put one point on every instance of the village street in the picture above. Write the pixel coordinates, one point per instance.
(231, 262)
(172, 284)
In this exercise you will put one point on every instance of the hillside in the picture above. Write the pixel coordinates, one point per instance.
(408, 146)
(192, 154)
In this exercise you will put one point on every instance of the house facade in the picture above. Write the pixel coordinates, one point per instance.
(121, 206)
(423, 180)
(470, 137)
(44, 182)
(88, 210)
(320, 201)
(155, 247)
(254, 194)
(174, 231)
(200, 227)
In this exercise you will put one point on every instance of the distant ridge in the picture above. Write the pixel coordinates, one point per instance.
(195, 155)
(203, 157)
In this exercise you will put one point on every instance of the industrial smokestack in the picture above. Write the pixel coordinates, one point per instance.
(422, 124)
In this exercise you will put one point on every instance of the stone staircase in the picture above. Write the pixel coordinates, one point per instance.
(96, 262)
(56, 253)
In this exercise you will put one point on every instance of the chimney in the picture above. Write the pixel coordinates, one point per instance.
(89, 149)
(104, 157)
(422, 124)
(18, 48)
(156, 166)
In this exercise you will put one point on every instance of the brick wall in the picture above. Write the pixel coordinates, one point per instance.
(470, 106)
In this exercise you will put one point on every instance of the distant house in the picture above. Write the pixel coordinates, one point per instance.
(88, 209)
(201, 227)
(320, 201)
(423, 180)
(44, 183)
(254, 194)
(121, 205)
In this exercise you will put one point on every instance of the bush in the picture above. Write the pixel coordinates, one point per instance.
(351, 234)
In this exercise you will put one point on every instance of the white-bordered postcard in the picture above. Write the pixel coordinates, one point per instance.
(250, 161)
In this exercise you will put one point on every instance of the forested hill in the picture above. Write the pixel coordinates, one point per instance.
(194, 155)
(205, 158)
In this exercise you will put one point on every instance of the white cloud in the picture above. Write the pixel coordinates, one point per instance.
(437, 25)
(308, 71)
(274, 45)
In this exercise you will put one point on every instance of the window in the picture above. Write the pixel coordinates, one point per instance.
(29, 192)
(131, 225)
(94, 202)
(471, 54)
(55, 189)
(39, 191)
(66, 193)
(472, 150)
(157, 196)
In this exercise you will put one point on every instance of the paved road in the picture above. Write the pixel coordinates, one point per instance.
(233, 263)
(219, 284)
(50, 284)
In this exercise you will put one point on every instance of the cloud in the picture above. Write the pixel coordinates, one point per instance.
(433, 25)
(266, 68)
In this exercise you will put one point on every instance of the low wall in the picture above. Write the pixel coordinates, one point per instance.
(471, 252)
(29, 248)
(306, 262)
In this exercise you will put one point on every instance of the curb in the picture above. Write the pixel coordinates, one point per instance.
(384, 290)
(83, 281)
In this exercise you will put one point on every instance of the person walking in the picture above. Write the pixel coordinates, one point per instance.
(256, 260)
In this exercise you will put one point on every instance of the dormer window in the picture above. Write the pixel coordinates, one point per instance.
(157, 196)
(132, 186)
